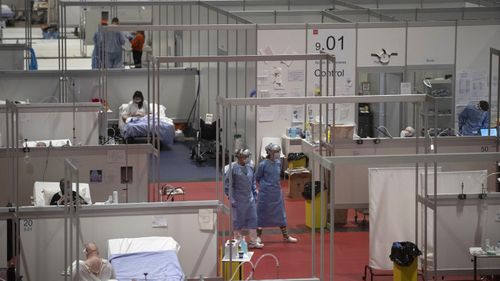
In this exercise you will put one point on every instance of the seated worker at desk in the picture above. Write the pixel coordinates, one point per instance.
(93, 268)
(58, 198)
(473, 118)
(137, 107)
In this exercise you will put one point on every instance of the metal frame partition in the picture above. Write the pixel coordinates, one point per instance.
(154, 87)
(494, 53)
(227, 106)
(224, 110)
(71, 208)
(161, 15)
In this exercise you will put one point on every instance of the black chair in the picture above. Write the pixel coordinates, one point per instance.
(205, 147)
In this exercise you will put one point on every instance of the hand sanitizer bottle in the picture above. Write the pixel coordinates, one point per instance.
(243, 245)
(115, 197)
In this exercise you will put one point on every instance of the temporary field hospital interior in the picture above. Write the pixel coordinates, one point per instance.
(365, 99)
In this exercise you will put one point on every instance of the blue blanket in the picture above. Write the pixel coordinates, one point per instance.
(138, 127)
(159, 266)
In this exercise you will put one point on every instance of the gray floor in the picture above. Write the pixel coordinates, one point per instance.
(46, 50)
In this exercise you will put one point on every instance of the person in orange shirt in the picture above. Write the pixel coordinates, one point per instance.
(137, 43)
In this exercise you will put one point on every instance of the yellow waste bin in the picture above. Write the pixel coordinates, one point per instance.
(317, 210)
(405, 273)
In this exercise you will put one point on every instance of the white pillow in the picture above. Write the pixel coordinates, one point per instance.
(163, 110)
(43, 192)
(122, 109)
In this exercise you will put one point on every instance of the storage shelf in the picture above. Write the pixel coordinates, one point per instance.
(442, 98)
(438, 115)
(440, 82)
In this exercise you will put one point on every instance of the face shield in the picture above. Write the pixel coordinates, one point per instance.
(273, 150)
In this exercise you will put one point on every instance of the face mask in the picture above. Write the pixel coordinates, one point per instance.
(247, 160)
(137, 101)
(276, 156)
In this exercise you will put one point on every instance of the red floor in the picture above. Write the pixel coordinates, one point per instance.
(350, 248)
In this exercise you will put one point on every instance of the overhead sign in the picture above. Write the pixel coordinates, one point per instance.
(342, 44)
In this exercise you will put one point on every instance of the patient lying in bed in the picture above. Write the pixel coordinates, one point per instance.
(137, 122)
(137, 107)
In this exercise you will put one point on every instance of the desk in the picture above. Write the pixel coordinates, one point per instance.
(478, 253)
(234, 263)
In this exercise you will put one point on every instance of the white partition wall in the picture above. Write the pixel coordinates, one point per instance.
(44, 121)
(47, 163)
(178, 97)
(42, 235)
(279, 79)
(431, 45)
(374, 38)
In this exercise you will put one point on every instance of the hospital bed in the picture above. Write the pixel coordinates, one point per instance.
(43, 192)
(7, 15)
(47, 143)
(137, 127)
(146, 258)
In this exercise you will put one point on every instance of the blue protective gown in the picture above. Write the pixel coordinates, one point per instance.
(270, 205)
(96, 53)
(113, 42)
(471, 120)
(242, 197)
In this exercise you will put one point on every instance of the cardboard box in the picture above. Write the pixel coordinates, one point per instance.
(296, 182)
(341, 131)
(340, 216)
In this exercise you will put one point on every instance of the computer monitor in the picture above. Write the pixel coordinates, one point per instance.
(492, 132)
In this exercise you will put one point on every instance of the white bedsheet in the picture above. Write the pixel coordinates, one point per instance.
(142, 244)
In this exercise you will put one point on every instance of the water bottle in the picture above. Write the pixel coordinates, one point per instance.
(115, 196)
(244, 245)
(486, 244)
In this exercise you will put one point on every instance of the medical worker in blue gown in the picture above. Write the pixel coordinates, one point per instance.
(98, 45)
(239, 186)
(270, 205)
(473, 118)
(113, 42)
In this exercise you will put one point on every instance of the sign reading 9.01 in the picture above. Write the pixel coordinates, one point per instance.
(341, 43)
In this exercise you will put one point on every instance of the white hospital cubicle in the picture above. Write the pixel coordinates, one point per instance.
(45, 164)
(461, 223)
(443, 226)
(42, 233)
(77, 123)
(84, 86)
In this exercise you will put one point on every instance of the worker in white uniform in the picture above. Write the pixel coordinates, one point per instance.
(94, 268)
(239, 186)
(270, 205)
